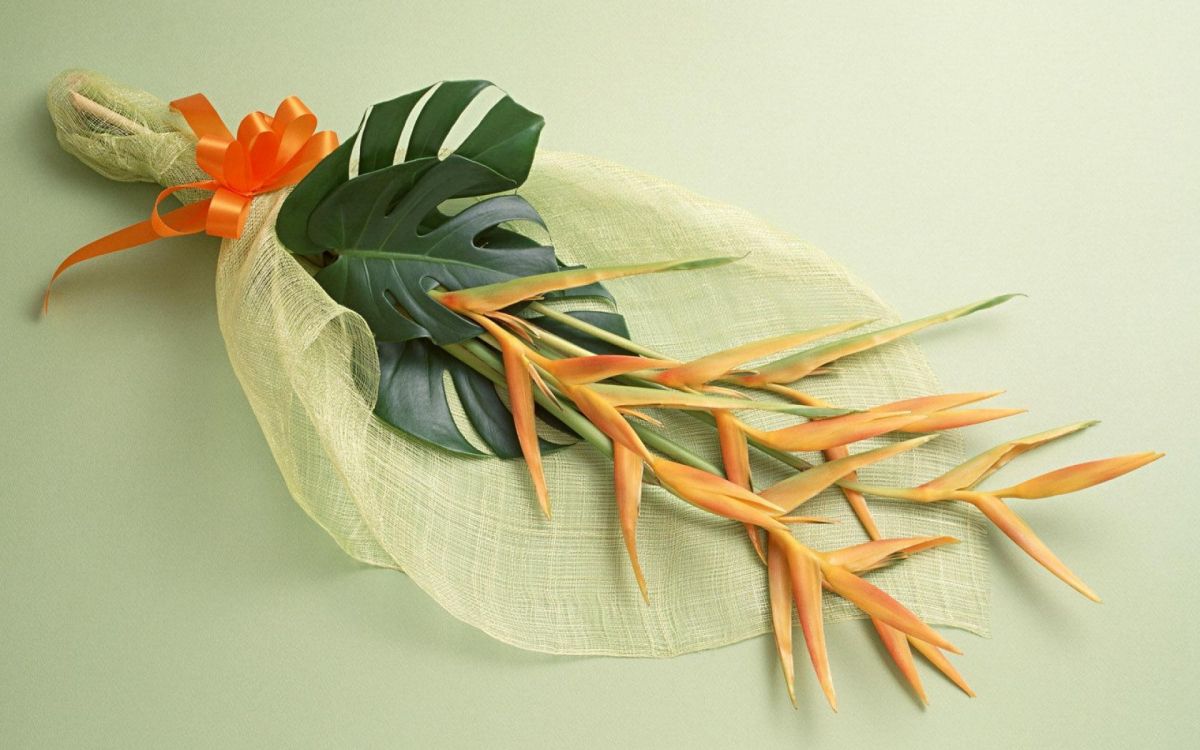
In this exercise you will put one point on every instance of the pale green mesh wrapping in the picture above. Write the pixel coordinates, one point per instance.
(468, 531)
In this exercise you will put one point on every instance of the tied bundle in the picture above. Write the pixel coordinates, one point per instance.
(477, 344)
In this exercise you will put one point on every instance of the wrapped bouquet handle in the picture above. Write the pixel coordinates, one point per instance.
(394, 345)
(267, 154)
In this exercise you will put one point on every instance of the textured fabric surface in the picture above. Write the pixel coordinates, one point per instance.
(468, 531)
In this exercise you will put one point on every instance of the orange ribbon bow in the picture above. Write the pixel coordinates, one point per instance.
(268, 153)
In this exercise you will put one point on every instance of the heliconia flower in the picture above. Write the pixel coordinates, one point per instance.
(810, 571)
(972, 472)
(627, 478)
(820, 434)
(735, 457)
(935, 403)
(801, 487)
(713, 366)
(1017, 530)
(879, 605)
(806, 574)
(941, 413)
(916, 415)
(878, 553)
(792, 368)
(517, 371)
(779, 594)
(857, 503)
(939, 660)
(1069, 479)
(813, 436)
(897, 646)
(716, 494)
(901, 655)
(629, 395)
(1077, 477)
(489, 297)
(870, 555)
(591, 369)
(950, 420)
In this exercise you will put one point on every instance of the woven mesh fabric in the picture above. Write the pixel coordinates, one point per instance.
(468, 531)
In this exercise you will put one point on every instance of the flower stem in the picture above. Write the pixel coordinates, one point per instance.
(674, 450)
(595, 331)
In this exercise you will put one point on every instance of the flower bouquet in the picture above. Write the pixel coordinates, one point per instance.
(714, 430)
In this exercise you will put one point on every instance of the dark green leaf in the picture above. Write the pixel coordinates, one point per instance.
(388, 223)
(413, 399)
(412, 394)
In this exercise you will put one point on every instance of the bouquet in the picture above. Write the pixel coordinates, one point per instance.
(713, 429)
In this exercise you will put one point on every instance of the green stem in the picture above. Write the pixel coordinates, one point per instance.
(671, 449)
(595, 331)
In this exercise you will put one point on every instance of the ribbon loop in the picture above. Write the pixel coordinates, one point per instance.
(269, 153)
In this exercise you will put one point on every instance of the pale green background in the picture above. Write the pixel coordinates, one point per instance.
(158, 588)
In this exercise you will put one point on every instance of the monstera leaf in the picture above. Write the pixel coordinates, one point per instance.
(386, 222)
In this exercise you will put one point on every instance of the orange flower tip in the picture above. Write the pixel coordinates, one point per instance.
(950, 420)
(808, 519)
(489, 297)
(1079, 476)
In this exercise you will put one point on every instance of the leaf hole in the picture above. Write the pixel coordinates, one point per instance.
(407, 131)
(469, 119)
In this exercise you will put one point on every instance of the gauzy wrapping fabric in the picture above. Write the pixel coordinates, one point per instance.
(468, 530)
